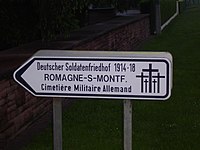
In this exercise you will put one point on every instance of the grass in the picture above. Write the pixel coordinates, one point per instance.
(87, 124)
(169, 125)
(174, 124)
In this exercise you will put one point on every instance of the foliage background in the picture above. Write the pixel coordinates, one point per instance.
(23, 21)
(167, 8)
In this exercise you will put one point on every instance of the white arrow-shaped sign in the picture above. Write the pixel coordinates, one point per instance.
(92, 74)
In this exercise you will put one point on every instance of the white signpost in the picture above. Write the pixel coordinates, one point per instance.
(126, 75)
(98, 74)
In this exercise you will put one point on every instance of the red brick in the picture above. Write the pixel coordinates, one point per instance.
(2, 102)
(12, 82)
(4, 84)
(11, 108)
(3, 93)
(11, 96)
(10, 132)
(10, 102)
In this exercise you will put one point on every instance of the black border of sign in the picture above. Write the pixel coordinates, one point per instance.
(21, 70)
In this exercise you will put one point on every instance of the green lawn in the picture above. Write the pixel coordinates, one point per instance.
(174, 124)
(168, 125)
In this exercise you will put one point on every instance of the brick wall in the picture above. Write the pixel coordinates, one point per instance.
(126, 37)
(18, 109)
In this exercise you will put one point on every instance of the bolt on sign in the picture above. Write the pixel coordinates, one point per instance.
(98, 74)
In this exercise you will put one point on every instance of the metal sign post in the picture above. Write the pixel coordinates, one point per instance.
(127, 124)
(57, 123)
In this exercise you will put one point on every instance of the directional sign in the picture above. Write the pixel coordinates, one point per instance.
(98, 74)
